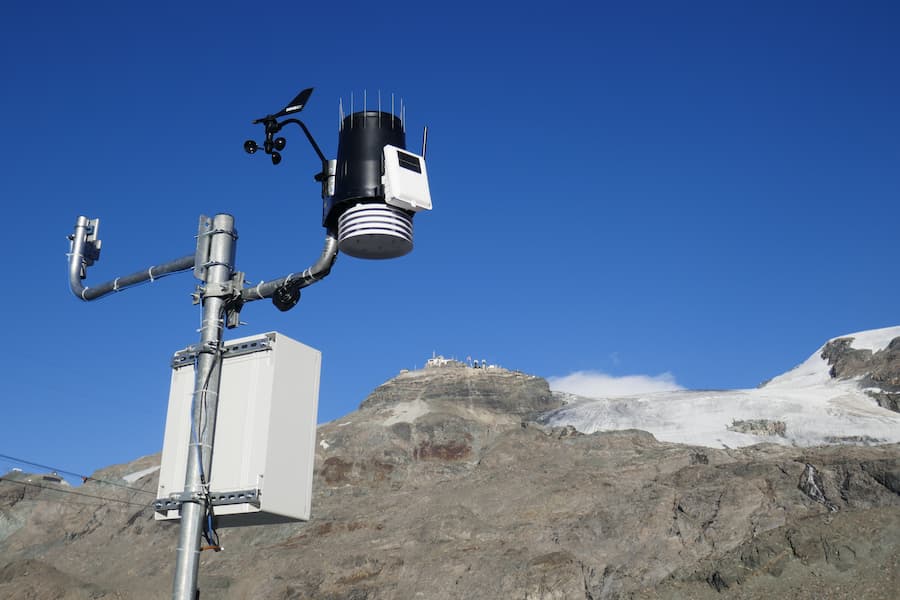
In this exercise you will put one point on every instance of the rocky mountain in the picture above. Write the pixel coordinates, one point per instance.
(443, 485)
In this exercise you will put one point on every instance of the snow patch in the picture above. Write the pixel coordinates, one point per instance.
(132, 477)
(874, 339)
(407, 412)
(813, 415)
(325, 445)
(815, 369)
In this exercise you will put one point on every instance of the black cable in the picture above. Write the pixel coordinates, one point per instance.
(84, 478)
(74, 493)
(209, 528)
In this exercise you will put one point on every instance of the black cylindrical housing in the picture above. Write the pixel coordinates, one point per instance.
(358, 174)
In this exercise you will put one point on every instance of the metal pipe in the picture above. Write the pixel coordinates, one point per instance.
(78, 263)
(308, 136)
(319, 270)
(206, 397)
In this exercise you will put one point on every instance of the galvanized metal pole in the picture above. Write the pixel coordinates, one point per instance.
(218, 273)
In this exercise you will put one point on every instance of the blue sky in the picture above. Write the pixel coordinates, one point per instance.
(696, 192)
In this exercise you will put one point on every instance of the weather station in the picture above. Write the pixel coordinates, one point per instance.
(256, 397)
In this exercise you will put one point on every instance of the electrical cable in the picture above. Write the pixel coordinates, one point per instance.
(209, 531)
(74, 493)
(197, 430)
(84, 478)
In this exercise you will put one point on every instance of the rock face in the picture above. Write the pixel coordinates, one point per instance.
(428, 494)
(879, 372)
(494, 389)
(765, 427)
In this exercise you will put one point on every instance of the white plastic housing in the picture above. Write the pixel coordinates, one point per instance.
(405, 180)
(265, 432)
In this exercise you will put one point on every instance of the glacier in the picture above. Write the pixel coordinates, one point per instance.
(805, 406)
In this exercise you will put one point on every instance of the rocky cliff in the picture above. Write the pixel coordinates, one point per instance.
(878, 372)
(440, 486)
(454, 384)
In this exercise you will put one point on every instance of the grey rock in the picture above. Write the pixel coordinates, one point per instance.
(879, 372)
(811, 484)
(846, 361)
(496, 389)
(888, 400)
(759, 427)
(863, 440)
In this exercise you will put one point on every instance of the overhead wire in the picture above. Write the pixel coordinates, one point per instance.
(76, 493)
(210, 533)
(84, 478)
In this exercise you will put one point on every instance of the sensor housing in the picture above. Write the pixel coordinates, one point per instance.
(378, 188)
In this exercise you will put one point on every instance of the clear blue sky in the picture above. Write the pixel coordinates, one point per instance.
(705, 189)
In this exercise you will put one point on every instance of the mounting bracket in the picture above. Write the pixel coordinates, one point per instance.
(175, 501)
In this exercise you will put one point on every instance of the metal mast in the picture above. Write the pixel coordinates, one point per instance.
(218, 272)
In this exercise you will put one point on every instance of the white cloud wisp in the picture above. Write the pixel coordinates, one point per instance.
(594, 384)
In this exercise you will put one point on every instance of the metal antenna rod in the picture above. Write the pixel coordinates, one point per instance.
(206, 397)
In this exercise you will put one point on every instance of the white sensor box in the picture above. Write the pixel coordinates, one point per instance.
(264, 445)
(405, 180)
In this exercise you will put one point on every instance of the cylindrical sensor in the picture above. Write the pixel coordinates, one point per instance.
(367, 226)
(362, 138)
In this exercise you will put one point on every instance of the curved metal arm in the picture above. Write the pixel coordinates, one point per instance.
(85, 250)
(309, 136)
(295, 281)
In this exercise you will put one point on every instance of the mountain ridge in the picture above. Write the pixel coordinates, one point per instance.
(461, 494)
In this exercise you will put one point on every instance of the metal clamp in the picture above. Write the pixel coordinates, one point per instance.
(174, 502)
(189, 354)
(231, 290)
(218, 290)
